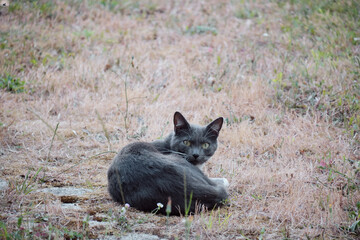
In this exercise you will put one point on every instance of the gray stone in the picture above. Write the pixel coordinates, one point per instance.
(133, 236)
(66, 191)
(140, 236)
(3, 185)
(97, 223)
(70, 206)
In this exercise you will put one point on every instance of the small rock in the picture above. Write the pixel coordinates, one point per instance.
(70, 206)
(3, 185)
(140, 236)
(66, 191)
(99, 225)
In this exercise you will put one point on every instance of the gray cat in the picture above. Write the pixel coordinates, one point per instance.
(144, 174)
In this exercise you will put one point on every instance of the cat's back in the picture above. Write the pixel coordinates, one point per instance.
(142, 153)
(138, 148)
(142, 160)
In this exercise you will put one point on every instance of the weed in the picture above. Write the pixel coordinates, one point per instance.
(15, 6)
(8, 234)
(202, 30)
(352, 182)
(105, 130)
(163, 130)
(221, 220)
(52, 141)
(355, 216)
(34, 231)
(28, 183)
(168, 209)
(71, 234)
(53, 130)
(262, 232)
(187, 205)
(159, 206)
(257, 197)
(127, 106)
(120, 6)
(12, 84)
(246, 13)
(44, 9)
(121, 218)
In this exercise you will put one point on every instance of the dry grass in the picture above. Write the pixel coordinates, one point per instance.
(284, 76)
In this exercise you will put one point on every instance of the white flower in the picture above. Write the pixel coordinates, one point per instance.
(123, 211)
(160, 205)
(127, 205)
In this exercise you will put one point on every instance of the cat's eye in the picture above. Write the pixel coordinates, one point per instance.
(205, 145)
(187, 143)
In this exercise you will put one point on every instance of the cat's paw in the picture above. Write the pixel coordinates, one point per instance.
(221, 181)
(225, 182)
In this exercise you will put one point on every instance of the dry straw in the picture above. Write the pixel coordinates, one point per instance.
(292, 170)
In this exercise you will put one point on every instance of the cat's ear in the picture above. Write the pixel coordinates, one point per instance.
(214, 127)
(180, 123)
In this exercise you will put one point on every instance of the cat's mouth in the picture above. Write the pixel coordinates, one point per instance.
(196, 161)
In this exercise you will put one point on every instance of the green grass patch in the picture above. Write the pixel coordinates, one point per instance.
(12, 84)
(202, 30)
(318, 84)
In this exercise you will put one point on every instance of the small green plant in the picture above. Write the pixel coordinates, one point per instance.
(15, 6)
(122, 219)
(246, 13)
(168, 209)
(28, 183)
(222, 219)
(187, 210)
(53, 130)
(104, 129)
(70, 234)
(256, 196)
(12, 84)
(262, 232)
(355, 216)
(330, 168)
(202, 30)
(52, 141)
(6, 233)
(110, 4)
(159, 206)
(86, 225)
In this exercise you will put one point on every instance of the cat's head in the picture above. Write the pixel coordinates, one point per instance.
(196, 143)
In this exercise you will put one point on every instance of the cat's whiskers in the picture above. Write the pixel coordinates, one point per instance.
(175, 152)
(165, 150)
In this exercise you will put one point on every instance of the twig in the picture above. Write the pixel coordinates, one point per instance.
(104, 129)
(98, 154)
(127, 106)
(47, 124)
(52, 141)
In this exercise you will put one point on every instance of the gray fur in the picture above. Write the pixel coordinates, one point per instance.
(144, 174)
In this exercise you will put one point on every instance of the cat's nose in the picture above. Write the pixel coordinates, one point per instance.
(195, 156)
